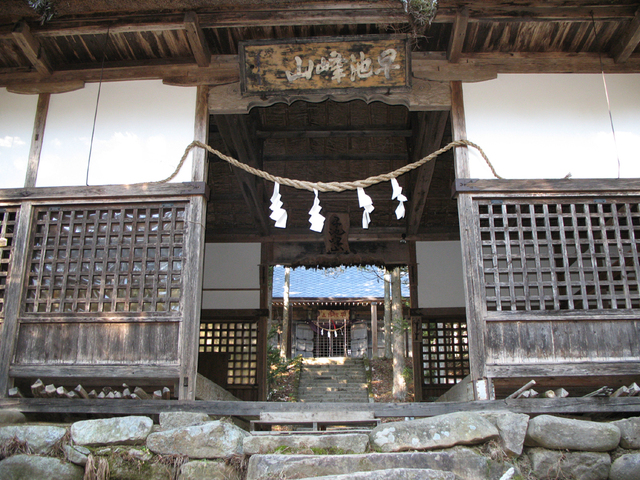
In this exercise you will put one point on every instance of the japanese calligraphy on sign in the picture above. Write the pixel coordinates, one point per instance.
(312, 65)
(333, 315)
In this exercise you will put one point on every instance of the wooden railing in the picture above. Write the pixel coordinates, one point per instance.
(555, 268)
(93, 283)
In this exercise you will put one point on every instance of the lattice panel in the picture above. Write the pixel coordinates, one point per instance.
(445, 352)
(115, 259)
(239, 341)
(560, 256)
(8, 219)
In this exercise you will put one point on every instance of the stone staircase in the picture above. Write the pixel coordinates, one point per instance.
(335, 379)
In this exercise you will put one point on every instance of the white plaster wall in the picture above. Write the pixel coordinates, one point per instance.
(17, 114)
(440, 282)
(231, 275)
(142, 129)
(546, 126)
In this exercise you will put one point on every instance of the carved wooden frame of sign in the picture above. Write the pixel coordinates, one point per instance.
(375, 63)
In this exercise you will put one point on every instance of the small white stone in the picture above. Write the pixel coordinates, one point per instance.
(415, 441)
(436, 436)
(472, 427)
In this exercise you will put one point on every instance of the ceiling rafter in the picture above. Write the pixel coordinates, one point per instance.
(429, 130)
(197, 40)
(238, 135)
(458, 34)
(32, 49)
(628, 41)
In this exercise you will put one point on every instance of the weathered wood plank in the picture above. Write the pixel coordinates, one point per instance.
(567, 405)
(621, 186)
(37, 139)
(143, 190)
(430, 131)
(574, 369)
(13, 294)
(458, 34)
(628, 41)
(469, 242)
(31, 48)
(123, 371)
(197, 40)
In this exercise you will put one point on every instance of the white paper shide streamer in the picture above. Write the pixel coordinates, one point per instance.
(367, 204)
(315, 219)
(397, 195)
(278, 214)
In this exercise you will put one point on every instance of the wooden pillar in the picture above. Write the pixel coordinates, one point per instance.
(36, 140)
(475, 324)
(374, 329)
(399, 385)
(387, 314)
(194, 262)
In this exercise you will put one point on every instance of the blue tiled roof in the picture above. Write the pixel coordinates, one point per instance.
(346, 282)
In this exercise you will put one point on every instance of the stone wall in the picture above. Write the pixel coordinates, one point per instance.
(457, 446)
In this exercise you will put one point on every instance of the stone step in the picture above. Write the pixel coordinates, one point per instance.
(333, 387)
(298, 443)
(335, 397)
(463, 462)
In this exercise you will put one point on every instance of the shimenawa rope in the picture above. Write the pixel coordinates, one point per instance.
(331, 186)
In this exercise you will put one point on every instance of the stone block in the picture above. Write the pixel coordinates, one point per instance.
(442, 431)
(39, 437)
(570, 434)
(463, 462)
(170, 420)
(208, 470)
(626, 467)
(629, 432)
(131, 430)
(347, 443)
(214, 439)
(576, 465)
(512, 428)
(20, 467)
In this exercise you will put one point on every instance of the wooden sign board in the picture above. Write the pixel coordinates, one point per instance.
(378, 63)
(333, 315)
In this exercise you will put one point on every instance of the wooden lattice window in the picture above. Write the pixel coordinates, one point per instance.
(445, 353)
(237, 344)
(580, 255)
(8, 219)
(116, 259)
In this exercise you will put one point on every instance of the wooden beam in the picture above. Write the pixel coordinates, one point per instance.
(174, 71)
(197, 40)
(458, 34)
(105, 191)
(628, 41)
(238, 134)
(569, 405)
(120, 371)
(36, 140)
(559, 186)
(44, 87)
(430, 131)
(362, 157)
(331, 133)
(240, 17)
(31, 48)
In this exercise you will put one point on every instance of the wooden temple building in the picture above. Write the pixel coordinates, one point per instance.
(110, 276)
